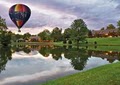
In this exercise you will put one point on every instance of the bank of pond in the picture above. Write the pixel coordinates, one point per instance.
(104, 75)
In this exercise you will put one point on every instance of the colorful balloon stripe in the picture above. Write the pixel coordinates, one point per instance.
(19, 14)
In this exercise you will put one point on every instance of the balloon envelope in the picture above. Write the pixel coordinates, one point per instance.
(19, 14)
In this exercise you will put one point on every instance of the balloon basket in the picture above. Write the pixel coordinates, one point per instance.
(19, 30)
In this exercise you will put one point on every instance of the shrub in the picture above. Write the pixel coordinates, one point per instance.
(64, 42)
(69, 42)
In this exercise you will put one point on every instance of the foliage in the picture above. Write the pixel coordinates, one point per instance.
(111, 26)
(45, 35)
(69, 42)
(18, 36)
(57, 34)
(118, 24)
(64, 42)
(90, 34)
(67, 34)
(5, 38)
(79, 30)
(102, 28)
(5, 55)
(3, 25)
(26, 36)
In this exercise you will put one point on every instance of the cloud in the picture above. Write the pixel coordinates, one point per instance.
(41, 75)
(30, 30)
(61, 13)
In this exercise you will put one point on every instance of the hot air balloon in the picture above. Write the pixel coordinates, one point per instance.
(19, 14)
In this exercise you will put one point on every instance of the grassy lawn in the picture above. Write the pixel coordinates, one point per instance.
(105, 48)
(58, 43)
(105, 41)
(104, 75)
(100, 42)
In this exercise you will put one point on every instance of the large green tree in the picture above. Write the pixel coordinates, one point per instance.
(5, 37)
(90, 35)
(26, 35)
(45, 35)
(79, 30)
(5, 56)
(57, 34)
(118, 24)
(3, 25)
(67, 34)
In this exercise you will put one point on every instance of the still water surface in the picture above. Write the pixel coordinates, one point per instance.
(31, 65)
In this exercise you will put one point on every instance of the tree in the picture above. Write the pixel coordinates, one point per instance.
(90, 34)
(45, 35)
(5, 56)
(18, 36)
(26, 35)
(79, 30)
(3, 25)
(5, 38)
(67, 34)
(102, 28)
(110, 26)
(57, 34)
(118, 24)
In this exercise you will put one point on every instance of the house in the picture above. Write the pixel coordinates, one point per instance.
(105, 33)
(34, 38)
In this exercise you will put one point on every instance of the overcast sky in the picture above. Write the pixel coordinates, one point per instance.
(47, 14)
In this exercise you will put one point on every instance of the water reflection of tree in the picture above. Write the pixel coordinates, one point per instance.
(5, 55)
(45, 51)
(26, 50)
(18, 48)
(56, 53)
(78, 57)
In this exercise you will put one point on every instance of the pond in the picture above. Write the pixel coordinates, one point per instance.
(34, 64)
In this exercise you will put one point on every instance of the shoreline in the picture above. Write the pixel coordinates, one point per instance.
(104, 75)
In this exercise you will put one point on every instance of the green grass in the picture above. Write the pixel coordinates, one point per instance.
(104, 75)
(105, 48)
(58, 43)
(100, 42)
(105, 41)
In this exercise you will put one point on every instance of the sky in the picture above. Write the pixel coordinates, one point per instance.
(48, 14)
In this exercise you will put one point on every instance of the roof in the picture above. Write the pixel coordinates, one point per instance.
(104, 31)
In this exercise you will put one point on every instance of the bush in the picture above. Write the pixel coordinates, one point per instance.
(5, 38)
(69, 42)
(86, 42)
(95, 42)
(64, 42)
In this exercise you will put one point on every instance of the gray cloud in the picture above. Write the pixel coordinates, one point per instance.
(95, 13)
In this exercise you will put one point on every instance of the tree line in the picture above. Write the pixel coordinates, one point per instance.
(78, 31)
